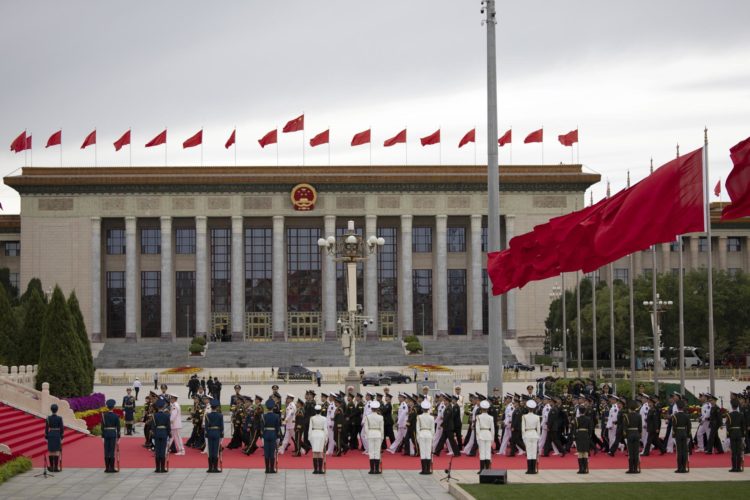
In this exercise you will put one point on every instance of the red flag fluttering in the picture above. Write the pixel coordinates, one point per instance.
(195, 140)
(19, 143)
(717, 188)
(122, 141)
(55, 139)
(89, 140)
(507, 138)
(361, 138)
(738, 182)
(667, 203)
(231, 139)
(535, 136)
(321, 138)
(270, 138)
(158, 140)
(295, 125)
(568, 139)
(471, 136)
(433, 138)
(399, 138)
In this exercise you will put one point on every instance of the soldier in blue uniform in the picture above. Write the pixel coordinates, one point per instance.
(214, 433)
(633, 426)
(162, 430)
(53, 433)
(682, 429)
(128, 408)
(271, 423)
(735, 431)
(110, 433)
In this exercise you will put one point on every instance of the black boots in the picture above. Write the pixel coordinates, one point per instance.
(318, 466)
(374, 467)
(583, 466)
(426, 466)
(484, 465)
(268, 470)
(213, 465)
(378, 468)
(54, 464)
(160, 465)
(531, 466)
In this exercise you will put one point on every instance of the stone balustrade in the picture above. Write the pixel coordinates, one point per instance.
(38, 403)
(24, 375)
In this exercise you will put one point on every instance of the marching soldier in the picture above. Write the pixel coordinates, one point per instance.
(128, 408)
(633, 427)
(531, 428)
(309, 411)
(318, 433)
(735, 430)
(162, 430)
(714, 424)
(484, 431)
(355, 423)
(237, 407)
(330, 414)
(254, 426)
(411, 446)
(289, 423)
(374, 429)
(555, 428)
(299, 429)
(110, 434)
(387, 411)
(682, 430)
(339, 422)
(701, 437)
(653, 427)
(175, 422)
(471, 412)
(401, 420)
(148, 410)
(53, 433)
(584, 429)
(506, 424)
(425, 435)
(214, 434)
(270, 423)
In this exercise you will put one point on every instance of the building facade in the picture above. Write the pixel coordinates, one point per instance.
(163, 253)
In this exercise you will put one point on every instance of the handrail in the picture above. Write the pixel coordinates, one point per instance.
(38, 403)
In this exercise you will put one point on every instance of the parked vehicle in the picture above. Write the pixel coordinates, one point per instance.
(385, 378)
(398, 378)
(520, 366)
(295, 372)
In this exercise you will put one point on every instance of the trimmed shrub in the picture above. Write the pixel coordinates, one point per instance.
(414, 347)
(195, 348)
(199, 340)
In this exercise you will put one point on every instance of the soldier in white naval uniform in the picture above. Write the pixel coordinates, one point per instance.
(374, 430)
(485, 433)
(425, 436)
(401, 419)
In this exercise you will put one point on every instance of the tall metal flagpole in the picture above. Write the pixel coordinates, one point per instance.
(95, 155)
(495, 331)
(61, 146)
(130, 146)
(564, 326)
(707, 222)
(611, 273)
(654, 321)
(201, 146)
(578, 324)
(631, 264)
(681, 304)
(235, 145)
(303, 140)
(594, 350)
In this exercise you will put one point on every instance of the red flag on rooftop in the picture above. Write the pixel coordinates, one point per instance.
(295, 125)
(122, 141)
(507, 138)
(535, 136)
(28, 142)
(433, 138)
(717, 188)
(361, 138)
(195, 140)
(269, 138)
(568, 139)
(159, 139)
(19, 143)
(89, 140)
(321, 138)
(399, 138)
(55, 139)
(231, 139)
(738, 182)
(470, 136)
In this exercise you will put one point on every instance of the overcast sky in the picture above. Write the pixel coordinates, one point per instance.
(636, 77)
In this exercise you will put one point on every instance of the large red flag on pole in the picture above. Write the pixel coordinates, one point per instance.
(568, 139)
(90, 140)
(158, 140)
(270, 138)
(321, 138)
(295, 125)
(55, 139)
(738, 182)
(470, 136)
(399, 138)
(507, 138)
(19, 143)
(231, 139)
(535, 136)
(195, 140)
(122, 141)
(361, 138)
(433, 138)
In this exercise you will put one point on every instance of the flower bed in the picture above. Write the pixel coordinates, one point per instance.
(94, 417)
(11, 465)
(85, 403)
(183, 370)
(431, 368)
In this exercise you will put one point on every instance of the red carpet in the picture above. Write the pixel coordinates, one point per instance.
(24, 433)
(88, 453)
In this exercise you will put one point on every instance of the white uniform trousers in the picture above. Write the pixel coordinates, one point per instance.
(505, 441)
(702, 431)
(363, 437)
(470, 443)
(612, 434)
(532, 447)
(400, 435)
(288, 434)
(485, 449)
(425, 447)
(331, 439)
(542, 440)
(374, 448)
(438, 433)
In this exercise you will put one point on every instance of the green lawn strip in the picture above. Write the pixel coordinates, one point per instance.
(726, 490)
(14, 467)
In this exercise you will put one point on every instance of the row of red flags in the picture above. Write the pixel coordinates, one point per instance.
(667, 203)
(23, 141)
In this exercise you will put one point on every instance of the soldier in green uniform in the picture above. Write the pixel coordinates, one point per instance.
(237, 407)
(633, 426)
(736, 431)
(339, 426)
(299, 429)
(682, 430)
(255, 426)
(128, 408)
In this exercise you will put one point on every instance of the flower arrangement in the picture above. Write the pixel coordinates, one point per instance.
(182, 370)
(83, 403)
(431, 368)
(94, 417)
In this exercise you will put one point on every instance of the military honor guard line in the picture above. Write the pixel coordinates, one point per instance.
(425, 425)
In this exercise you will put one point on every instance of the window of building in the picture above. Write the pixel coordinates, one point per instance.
(341, 278)
(702, 244)
(184, 238)
(221, 269)
(595, 276)
(303, 269)
(484, 239)
(674, 246)
(646, 272)
(150, 240)
(422, 294)
(734, 244)
(115, 241)
(13, 278)
(185, 303)
(734, 271)
(150, 304)
(622, 274)
(12, 248)
(388, 270)
(457, 239)
(456, 301)
(115, 313)
(258, 269)
(421, 240)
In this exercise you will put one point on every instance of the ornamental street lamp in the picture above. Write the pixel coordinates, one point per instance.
(350, 249)
(657, 306)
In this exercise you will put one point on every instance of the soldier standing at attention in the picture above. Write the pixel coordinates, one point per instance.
(110, 434)
(374, 430)
(584, 430)
(681, 430)
(271, 425)
(214, 433)
(735, 430)
(425, 435)
(484, 429)
(318, 433)
(128, 408)
(53, 433)
(633, 426)
(162, 429)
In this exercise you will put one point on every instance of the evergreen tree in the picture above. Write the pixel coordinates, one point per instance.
(34, 284)
(11, 290)
(30, 336)
(8, 330)
(61, 355)
(80, 330)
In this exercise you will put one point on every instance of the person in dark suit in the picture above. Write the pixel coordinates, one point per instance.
(214, 434)
(682, 430)
(162, 430)
(736, 431)
(271, 423)
(110, 434)
(633, 426)
(53, 433)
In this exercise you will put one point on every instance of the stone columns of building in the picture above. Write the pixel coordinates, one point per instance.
(510, 297)
(371, 281)
(406, 296)
(238, 280)
(96, 279)
(279, 280)
(476, 278)
(666, 261)
(167, 272)
(131, 269)
(722, 253)
(441, 273)
(694, 252)
(329, 283)
(201, 276)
